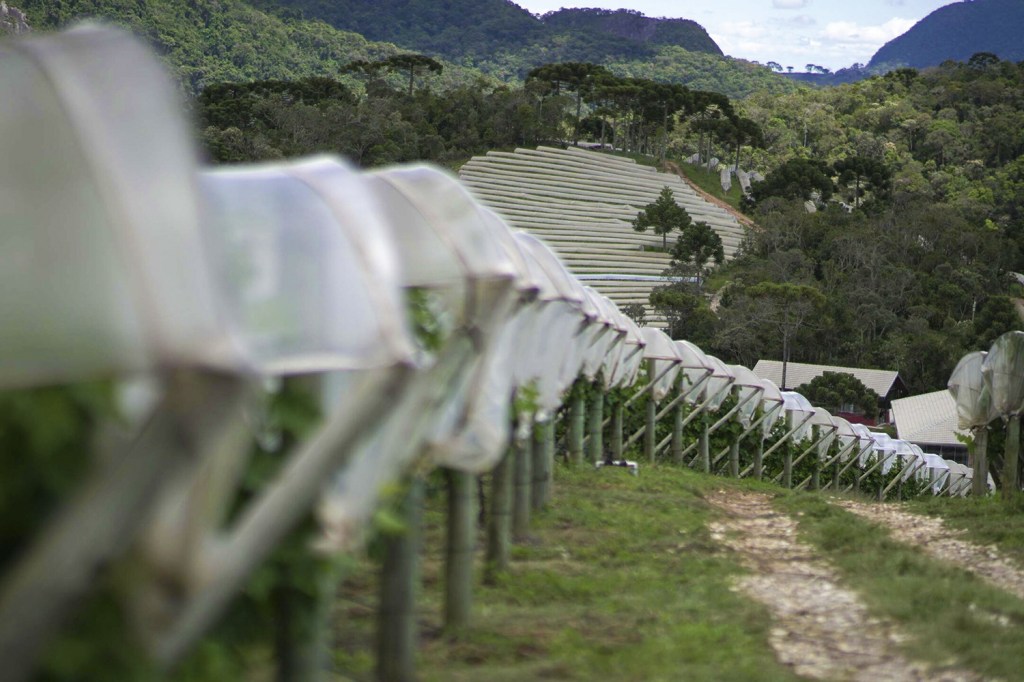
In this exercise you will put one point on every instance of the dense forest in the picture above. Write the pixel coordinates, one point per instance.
(212, 41)
(483, 28)
(915, 270)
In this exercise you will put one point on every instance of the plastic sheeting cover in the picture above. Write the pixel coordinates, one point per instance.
(1004, 371)
(718, 385)
(749, 388)
(666, 361)
(312, 281)
(772, 403)
(102, 269)
(798, 413)
(971, 392)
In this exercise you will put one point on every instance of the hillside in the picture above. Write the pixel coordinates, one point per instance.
(956, 32)
(484, 28)
(211, 41)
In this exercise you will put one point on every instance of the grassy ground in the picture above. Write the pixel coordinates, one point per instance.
(620, 582)
(951, 615)
(987, 520)
(711, 183)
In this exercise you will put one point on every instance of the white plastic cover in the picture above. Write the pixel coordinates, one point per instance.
(885, 450)
(311, 279)
(697, 369)
(972, 392)
(1004, 372)
(867, 442)
(665, 358)
(826, 429)
(604, 339)
(443, 242)
(937, 468)
(749, 391)
(719, 384)
(101, 262)
(772, 403)
(799, 413)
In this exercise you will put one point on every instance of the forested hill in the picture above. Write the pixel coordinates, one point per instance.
(481, 29)
(214, 41)
(957, 32)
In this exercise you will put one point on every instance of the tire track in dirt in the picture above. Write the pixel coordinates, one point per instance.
(940, 542)
(821, 629)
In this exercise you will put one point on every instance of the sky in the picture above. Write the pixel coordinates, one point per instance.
(829, 33)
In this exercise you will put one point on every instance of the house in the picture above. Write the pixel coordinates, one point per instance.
(929, 421)
(886, 383)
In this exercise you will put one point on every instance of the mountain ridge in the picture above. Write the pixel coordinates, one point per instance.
(956, 32)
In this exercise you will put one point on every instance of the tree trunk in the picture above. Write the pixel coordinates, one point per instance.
(649, 426)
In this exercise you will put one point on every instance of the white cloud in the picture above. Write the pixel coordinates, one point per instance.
(790, 4)
(743, 29)
(853, 33)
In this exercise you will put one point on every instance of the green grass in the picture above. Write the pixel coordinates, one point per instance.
(621, 581)
(952, 617)
(711, 183)
(987, 520)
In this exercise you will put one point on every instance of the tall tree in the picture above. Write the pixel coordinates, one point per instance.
(663, 215)
(696, 248)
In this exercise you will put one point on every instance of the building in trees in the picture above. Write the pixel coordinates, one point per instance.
(886, 383)
(929, 421)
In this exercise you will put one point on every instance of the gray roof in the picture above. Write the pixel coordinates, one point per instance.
(928, 418)
(880, 381)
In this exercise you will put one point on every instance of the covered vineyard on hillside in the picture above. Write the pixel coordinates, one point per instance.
(582, 203)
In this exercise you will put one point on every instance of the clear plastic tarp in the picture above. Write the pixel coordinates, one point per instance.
(971, 392)
(665, 358)
(1004, 372)
(826, 429)
(799, 412)
(717, 387)
(885, 450)
(749, 389)
(311, 279)
(102, 268)
(772, 404)
(697, 369)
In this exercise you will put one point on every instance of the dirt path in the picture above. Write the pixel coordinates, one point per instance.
(946, 544)
(822, 630)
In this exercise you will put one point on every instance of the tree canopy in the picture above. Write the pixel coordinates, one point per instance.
(663, 215)
(840, 392)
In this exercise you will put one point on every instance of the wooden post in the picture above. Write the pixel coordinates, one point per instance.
(549, 462)
(616, 435)
(704, 448)
(649, 423)
(541, 464)
(397, 635)
(677, 434)
(816, 460)
(759, 459)
(1010, 487)
(734, 459)
(301, 621)
(499, 521)
(461, 548)
(577, 425)
(595, 427)
(979, 462)
(787, 467)
(521, 494)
